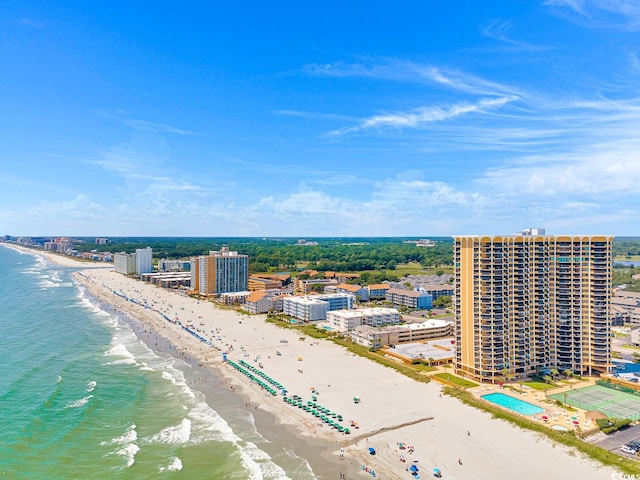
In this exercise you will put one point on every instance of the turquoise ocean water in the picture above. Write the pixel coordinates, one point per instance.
(82, 397)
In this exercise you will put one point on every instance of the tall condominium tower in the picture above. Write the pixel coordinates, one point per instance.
(220, 272)
(144, 258)
(530, 303)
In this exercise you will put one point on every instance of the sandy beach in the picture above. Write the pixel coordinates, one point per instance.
(394, 413)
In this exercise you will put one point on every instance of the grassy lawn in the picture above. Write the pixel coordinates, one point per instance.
(461, 382)
(538, 385)
(415, 268)
(627, 258)
(626, 465)
(631, 347)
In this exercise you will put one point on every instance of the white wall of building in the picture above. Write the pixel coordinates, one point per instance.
(144, 260)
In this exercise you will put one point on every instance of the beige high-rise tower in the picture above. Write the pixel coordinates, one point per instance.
(529, 303)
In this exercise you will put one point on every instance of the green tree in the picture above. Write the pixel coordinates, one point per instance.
(442, 302)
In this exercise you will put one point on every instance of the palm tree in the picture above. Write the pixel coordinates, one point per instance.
(554, 373)
(547, 378)
(568, 372)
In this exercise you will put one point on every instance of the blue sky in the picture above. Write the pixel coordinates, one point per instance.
(332, 118)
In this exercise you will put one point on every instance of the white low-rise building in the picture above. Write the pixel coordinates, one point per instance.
(347, 320)
(307, 309)
(258, 302)
(397, 334)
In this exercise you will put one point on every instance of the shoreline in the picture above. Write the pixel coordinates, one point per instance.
(394, 408)
(315, 451)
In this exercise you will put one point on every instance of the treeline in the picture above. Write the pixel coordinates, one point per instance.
(626, 246)
(339, 255)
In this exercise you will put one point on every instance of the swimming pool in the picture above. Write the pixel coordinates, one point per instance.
(512, 403)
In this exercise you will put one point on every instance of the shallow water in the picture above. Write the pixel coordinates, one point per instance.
(81, 396)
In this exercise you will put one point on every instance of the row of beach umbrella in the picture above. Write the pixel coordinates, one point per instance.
(251, 376)
(259, 372)
(330, 418)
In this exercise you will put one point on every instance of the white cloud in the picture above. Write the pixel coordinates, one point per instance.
(606, 14)
(401, 70)
(422, 116)
(154, 127)
(499, 30)
(594, 171)
(28, 22)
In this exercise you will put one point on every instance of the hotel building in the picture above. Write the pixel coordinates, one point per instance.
(125, 263)
(144, 258)
(347, 320)
(529, 303)
(307, 309)
(220, 272)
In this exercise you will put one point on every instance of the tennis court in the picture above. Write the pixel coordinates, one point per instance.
(611, 402)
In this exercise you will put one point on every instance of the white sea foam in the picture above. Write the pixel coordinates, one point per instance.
(129, 452)
(209, 425)
(59, 378)
(167, 376)
(253, 457)
(91, 385)
(173, 435)
(119, 350)
(174, 466)
(129, 436)
(79, 403)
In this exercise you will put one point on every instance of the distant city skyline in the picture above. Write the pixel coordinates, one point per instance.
(292, 120)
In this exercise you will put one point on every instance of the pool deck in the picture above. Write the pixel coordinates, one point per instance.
(555, 414)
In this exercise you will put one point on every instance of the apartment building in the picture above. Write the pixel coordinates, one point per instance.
(409, 298)
(144, 257)
(307, 309)
(437, 291)
(398, 334)
(222, 271)
(347, 320)
(532, 302)
(125, 263)
(258, 302)
(337, 301)
(378, 291)
(361, 293)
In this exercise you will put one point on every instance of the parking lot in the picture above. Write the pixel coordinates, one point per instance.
(616, 440)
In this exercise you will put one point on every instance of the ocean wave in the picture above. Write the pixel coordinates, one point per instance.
(174, 466)
(79, 403)
(119, 350)
(130, 436)
(167, 376)
(209, 425)
(129, 452)
(253, 457)
(91, 386)
(173, 435)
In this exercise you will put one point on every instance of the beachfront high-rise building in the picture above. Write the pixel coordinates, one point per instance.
(125, 263)
(144, 258)
(219, 272)
(526, 304)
